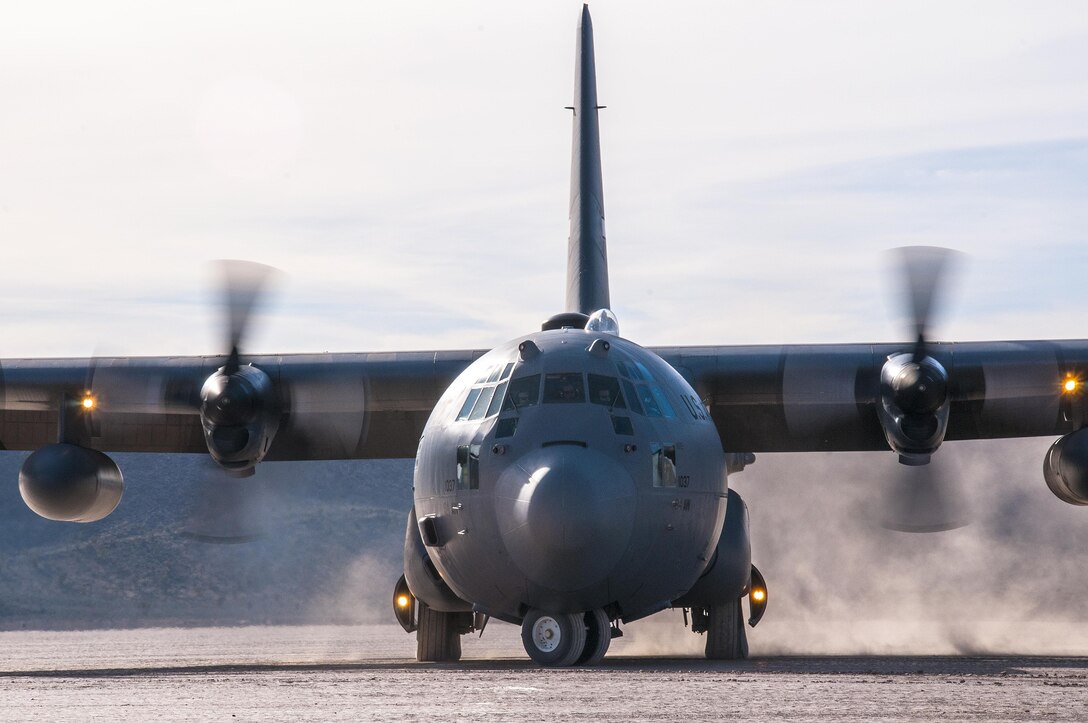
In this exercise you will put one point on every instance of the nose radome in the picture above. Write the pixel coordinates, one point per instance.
(566, 514)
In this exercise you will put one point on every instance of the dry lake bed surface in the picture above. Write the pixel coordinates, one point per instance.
(368, 673)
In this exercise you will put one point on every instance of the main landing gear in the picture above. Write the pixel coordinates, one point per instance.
(725, 635)
(438, 637)
(564, 639)
(723, 623)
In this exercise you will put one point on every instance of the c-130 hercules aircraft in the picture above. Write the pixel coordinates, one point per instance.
(568, 480)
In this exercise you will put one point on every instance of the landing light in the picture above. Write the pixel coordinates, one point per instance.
(758, 595)
(403, 601)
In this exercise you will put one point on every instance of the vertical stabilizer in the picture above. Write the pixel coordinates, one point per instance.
(587, 259)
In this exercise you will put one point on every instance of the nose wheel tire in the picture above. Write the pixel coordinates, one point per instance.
(437, 639)
(553, 639)
(598, 637)
(725, 636)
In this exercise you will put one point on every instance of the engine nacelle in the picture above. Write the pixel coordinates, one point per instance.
(68, 483)
(914, 406)
(1065, 468)
(240, 416)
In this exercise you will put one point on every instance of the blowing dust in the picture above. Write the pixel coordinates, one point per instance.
(1010, 581)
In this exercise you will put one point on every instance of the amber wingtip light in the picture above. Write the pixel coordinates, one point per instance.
(758, 595)
(1070, 385)
(88, 402)
(402, 601)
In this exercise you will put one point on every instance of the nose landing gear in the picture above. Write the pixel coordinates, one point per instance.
(598, 637)
(564, 639)
(553, 639)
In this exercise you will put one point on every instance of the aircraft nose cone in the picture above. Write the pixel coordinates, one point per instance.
(566, 515)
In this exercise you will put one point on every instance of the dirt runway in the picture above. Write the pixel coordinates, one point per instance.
(366, 673)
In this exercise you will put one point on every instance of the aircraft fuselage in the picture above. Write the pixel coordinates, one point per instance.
(566, 471)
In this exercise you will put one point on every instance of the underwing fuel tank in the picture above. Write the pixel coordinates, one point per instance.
(69, 483)
(1066, 468)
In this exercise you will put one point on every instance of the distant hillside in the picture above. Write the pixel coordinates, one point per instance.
(331, 548)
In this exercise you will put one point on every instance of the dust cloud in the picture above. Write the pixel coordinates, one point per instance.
(1011, 581)
(361, 595)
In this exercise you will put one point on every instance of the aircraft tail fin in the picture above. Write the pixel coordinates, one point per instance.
(587, 257)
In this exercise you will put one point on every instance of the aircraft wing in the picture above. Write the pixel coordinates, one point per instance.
(334, 406)
(826, 397)
(374, 405)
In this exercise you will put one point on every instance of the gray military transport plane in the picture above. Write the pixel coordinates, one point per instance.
(567, 480)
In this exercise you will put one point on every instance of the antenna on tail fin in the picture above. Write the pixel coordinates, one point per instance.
(587, 257)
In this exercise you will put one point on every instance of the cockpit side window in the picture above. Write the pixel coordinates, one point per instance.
(606, 391)
(482, 403)
(636, 406)
(523, 392)
(496, 401)
(470, 400)
(649, 403)
(662, 402)
(643, 393)
(487, 393)
(564, 388)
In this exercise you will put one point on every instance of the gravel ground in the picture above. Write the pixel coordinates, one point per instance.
(366, 672)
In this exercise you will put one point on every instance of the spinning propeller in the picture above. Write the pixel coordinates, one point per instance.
(240, 414)
(915, 397)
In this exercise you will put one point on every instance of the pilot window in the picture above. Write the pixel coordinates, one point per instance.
(605, 390)
(482, 403)
(649, 401)
(496, 401)
(564, 388)
(636, 406)
(523, 392)
(470, 400)
(664, 461)
(486, 395)
(643, 394)
(662, 402)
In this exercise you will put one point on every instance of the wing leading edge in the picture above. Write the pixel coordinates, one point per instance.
(334, 406)
(825, 397)
(357, 406)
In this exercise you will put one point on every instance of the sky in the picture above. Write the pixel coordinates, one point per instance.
(406, 165)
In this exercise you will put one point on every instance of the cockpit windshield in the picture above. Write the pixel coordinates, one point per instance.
(605, 390)
(564, 388)
(523, 392)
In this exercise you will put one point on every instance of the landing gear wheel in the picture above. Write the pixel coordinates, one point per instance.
(437, 638)
(553, 639)
(725, 637)
(598, 637)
